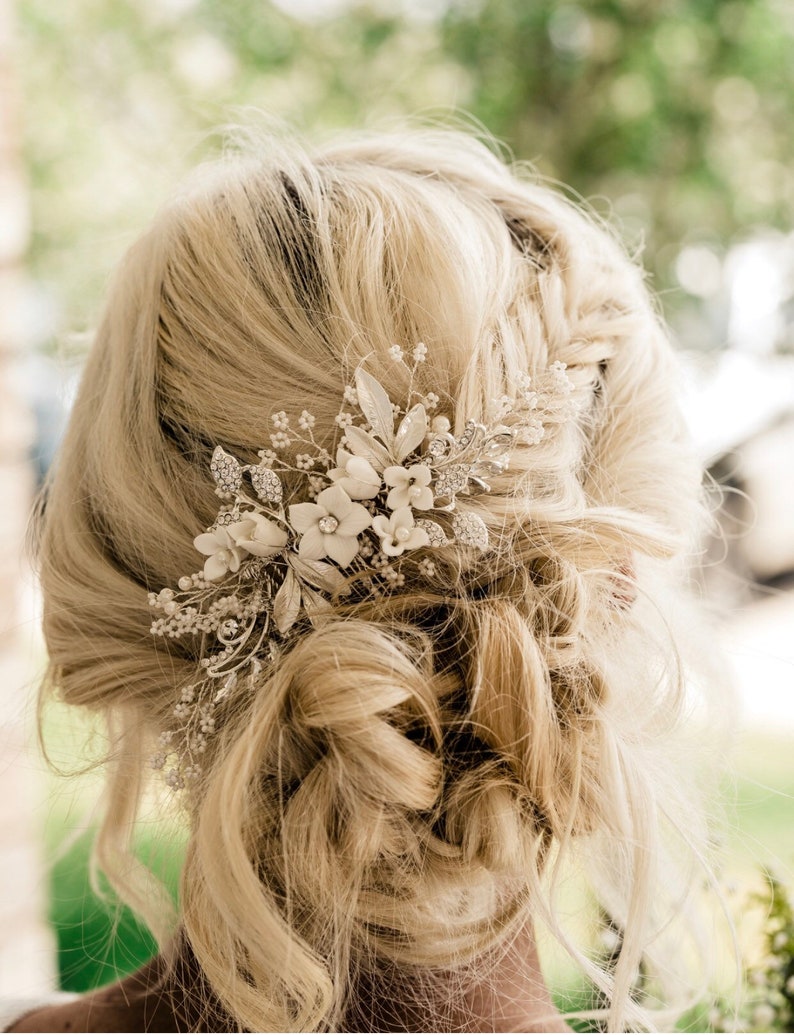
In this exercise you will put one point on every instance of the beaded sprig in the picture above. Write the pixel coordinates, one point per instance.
(399, 485)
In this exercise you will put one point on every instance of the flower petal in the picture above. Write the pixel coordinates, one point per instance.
(335, 501)
(355, 520)
(417, 538)
(312, 544)
(424, 501)
(341, 548)
(215, 567)
(207, 543)
(398, 498)
(302, 516)
(397, 476)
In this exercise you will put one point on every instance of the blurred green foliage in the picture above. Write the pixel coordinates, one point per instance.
(677, 111)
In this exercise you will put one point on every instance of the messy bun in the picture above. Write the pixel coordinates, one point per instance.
(397, 787)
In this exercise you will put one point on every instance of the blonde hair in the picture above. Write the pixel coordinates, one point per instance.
(400, 785)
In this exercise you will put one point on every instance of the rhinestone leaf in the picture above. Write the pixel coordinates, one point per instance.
(226, 471)
(471, 530)
(435, 533)
(267, 484)
(451, 480)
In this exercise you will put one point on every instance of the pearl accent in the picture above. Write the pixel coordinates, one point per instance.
(328, 524)
(402, 534)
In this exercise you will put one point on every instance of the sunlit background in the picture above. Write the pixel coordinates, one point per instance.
(671, 117)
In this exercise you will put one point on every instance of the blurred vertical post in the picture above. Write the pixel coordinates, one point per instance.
(26, 956)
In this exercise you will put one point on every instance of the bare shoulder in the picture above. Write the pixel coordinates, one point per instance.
(139, 1003)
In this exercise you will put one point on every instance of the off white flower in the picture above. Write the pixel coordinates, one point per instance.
(223, 554)
(306, 421)
(410, 487)
(430, 401)
(280, 421)
(356, 475)
(257, 534)
(420, 352)
(344, 420)
(399, 533)
(396, 353)
(329, 527)
(280, 440)
(304, 462)
(350, 395)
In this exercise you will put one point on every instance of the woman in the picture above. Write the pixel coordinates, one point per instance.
(368, 533)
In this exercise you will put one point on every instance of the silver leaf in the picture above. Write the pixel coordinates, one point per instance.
(435, 533)
(319, 574)
(227, 472)
(364, 445)
(317, 607)
(471, 530)
(267, 484)
(411, 432)
(287, 602)
(375, 405)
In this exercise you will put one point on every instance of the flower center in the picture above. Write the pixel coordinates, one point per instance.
(402, 534)
(415, 491)
(328, 524)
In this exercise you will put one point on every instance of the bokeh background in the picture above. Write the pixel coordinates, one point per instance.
(673, 118)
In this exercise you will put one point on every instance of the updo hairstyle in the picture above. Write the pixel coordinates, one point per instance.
(402, 786)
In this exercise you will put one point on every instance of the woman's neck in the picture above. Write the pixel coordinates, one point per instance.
(504, 992)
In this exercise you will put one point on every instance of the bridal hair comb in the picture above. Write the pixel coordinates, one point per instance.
(365, 519)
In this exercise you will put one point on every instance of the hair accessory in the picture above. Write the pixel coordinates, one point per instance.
(366, 520)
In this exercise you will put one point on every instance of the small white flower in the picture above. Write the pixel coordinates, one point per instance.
(420, 352)
(306, 421)
(257, 535)
(350, 395)
(165, 738)
(304, 462)
(431, 400)
(182, 710)
(344, 420)
(174, 780)
(157, 761)
(395, 411)
(280, 440)
(356, 475)
(399, 533)
(790, 985)
(222, 553)
(330, 527)
(396, 353)
(192, 771)
(267, 456)
(779, 941)
(280, 421)
(410, 487)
